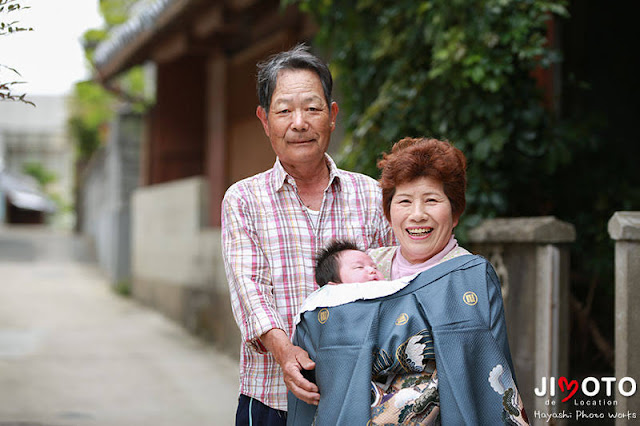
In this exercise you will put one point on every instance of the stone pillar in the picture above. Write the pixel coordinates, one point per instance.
(624, 228)
(531, 258)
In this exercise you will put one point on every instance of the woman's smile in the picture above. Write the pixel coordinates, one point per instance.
(417, 233)
(421, 218)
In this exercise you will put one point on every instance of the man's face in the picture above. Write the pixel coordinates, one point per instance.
(299, 122)
(357, 267)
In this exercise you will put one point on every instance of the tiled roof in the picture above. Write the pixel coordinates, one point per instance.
(145, 14)
(22, 191)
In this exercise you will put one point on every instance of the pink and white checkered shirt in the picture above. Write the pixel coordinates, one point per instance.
(269, 247)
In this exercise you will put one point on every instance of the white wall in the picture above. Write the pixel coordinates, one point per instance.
(167, 220)
(177, 265)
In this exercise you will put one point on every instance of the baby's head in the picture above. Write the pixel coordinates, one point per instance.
(343, 262)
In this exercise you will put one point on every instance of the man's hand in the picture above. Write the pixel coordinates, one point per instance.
(293, 360)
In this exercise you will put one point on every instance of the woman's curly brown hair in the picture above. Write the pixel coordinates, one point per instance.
(413, 158)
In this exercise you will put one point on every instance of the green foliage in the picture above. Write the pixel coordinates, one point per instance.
(463, 70)
(123, 288)
(93, 104)
(90, 41)
(8, 6)
(6, 28)
(45, 177)
(5, 90)
(115, 12)
(92, 108)
(40, 173)
(449, 69)
(130, 86)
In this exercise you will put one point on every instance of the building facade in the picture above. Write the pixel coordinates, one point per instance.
(36, 137)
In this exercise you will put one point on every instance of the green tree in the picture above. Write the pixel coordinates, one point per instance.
(40, 173)
(94, 104)
(450, 69)
(8, 27)
(92, 107)
(463, 70)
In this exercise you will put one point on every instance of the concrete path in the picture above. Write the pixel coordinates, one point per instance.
(72, 352)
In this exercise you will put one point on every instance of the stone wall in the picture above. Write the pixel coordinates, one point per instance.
(531, 258)
(105, 189)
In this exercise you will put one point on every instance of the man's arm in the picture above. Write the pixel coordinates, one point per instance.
(253, 302)
(248, 272)
(292, 359)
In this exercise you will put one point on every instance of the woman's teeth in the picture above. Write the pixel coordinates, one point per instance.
(418, 232)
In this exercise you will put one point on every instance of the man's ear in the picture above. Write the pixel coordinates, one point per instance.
(334, 115)
(262, 116)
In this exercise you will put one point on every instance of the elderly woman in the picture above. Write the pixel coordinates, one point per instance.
(440, 310)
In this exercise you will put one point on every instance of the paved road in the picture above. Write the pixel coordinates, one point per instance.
(72, 352)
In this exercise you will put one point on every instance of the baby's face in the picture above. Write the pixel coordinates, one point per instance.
(357, 267)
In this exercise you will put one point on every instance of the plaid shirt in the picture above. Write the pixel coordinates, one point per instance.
(269, 247)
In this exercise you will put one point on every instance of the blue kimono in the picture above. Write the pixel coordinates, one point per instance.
(453, 309)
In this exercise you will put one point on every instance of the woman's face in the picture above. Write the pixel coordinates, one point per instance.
(421, 218)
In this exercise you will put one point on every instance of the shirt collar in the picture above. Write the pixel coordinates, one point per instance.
(280, 175)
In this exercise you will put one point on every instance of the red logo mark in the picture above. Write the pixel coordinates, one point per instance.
(570, 386)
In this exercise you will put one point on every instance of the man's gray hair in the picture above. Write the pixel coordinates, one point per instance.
(298, 58)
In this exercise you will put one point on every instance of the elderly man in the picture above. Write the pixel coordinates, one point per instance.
(275, 222)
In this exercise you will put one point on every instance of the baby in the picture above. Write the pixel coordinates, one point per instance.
(392, 402)
(343, 262)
